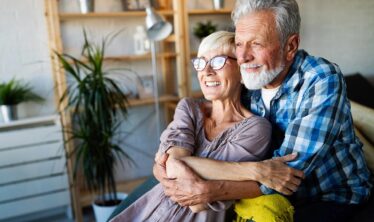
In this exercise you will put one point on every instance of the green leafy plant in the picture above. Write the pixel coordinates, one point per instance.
(98, 106)
(202, 30)
(15, 92)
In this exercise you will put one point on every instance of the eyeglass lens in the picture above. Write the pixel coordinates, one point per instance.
(216, 63)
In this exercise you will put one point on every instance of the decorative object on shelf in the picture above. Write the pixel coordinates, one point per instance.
(86, 6)
(13, 93)
(202, 29)
(136, 5)
(98, 107)
(157, 29)
(218, 4)
(141, 42)
(145, 87)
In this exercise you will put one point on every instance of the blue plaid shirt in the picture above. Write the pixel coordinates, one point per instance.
(311, 115)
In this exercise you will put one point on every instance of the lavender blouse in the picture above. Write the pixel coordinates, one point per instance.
(247, 140)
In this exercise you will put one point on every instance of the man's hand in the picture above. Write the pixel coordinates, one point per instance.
(275, 174)
(188, 189)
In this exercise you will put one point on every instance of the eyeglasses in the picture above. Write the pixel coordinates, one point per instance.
(216, 63)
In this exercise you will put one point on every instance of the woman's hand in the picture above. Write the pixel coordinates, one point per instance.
(159, 167)
(277, 175)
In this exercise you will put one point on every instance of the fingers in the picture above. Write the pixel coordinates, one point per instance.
(298, 173)
(161, 159)
(286, 158)
(159, 168)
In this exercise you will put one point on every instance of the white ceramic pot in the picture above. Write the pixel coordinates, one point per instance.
(218, 4)
(8, 113)
(86, 6)
(102, 213)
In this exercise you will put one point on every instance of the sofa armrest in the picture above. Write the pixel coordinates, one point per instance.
(363, 119)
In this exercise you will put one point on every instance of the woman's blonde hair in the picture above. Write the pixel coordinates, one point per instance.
(218, 40)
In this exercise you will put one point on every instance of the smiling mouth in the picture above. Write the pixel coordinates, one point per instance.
(250, 66)
(212, 83)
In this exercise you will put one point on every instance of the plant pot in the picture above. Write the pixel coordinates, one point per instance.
(218, 4)
(8, 113)
(86, 6)
(102, 213)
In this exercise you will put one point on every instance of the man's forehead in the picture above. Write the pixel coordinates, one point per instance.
(255, 25)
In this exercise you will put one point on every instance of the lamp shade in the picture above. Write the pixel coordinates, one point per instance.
(157, 27)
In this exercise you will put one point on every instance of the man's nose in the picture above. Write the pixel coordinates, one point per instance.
(244, 55)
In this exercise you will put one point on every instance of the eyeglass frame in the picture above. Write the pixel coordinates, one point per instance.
(210, 61)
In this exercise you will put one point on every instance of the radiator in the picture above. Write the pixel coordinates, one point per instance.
(33, 175)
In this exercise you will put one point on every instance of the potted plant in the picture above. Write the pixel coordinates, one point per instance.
(202, 30)
(98, 106)
(13, 93)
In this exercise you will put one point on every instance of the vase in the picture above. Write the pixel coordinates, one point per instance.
(86, 6)
(8, 112)
(218, 4)
(102, 213)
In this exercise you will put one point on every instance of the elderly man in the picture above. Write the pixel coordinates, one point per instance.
(304, 97)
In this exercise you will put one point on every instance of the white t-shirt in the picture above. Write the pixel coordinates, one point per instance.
(267, 95)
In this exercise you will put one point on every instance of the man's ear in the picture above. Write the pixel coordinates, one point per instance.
(291, 46)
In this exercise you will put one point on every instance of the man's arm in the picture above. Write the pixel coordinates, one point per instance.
(193, 190)
(190, 188)
(273, 173)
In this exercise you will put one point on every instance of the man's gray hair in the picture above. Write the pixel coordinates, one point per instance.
(287, 16)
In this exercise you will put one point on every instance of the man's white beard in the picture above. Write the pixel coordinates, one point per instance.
(254, 81)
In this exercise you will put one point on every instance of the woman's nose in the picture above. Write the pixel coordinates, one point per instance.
(209, 70)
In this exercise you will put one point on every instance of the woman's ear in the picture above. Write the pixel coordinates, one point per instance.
(291, 46)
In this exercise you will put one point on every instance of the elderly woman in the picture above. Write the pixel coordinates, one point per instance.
(218, 128)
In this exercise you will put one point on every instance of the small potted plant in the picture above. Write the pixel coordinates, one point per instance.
(202, 29)
(13, 93)
(98, 106)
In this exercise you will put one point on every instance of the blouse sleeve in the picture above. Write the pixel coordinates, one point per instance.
(181, 131)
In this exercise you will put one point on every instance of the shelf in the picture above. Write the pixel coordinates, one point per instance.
(209, 12)
(165, 55)
(67, 16)
(146, 101)
(87, 198)
(31, 121)
(140, 57)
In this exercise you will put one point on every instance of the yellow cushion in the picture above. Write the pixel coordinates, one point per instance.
(267, 208)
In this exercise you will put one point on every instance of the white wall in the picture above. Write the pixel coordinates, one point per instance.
(341, 31)
(24, 51)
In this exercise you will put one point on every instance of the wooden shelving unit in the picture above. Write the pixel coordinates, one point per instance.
(172, 54)
(69, 16)
(147, 101)
(175, 51)
(209, 12)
